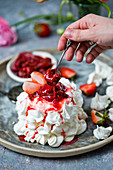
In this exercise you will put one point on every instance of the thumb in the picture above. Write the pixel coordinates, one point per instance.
(79, 35)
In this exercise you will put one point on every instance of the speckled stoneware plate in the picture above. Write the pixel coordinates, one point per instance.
(8, 116)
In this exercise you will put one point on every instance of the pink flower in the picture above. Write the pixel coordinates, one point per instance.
(104, 1)
(8, 36)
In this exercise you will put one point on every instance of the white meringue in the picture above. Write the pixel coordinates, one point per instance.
(109, 80)
(22, 103)
(19, 127)
(82, 114)
(29, 134)
(101, 132)
(55, 141)
(110, 114)
(53, 118)
(102, 69)
(100, 102)
(66, 82)
(43, 125)
(94, 78)
(109, 92)
(42, 139)
(82, 126)
(77, 97)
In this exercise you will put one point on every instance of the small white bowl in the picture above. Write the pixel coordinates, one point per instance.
(19, 79)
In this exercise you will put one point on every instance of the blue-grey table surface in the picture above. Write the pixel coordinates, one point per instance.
(9, 160)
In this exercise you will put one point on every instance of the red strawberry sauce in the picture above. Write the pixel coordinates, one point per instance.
(21, 138)
(70, 142)
(29, 108)
(35, 134)
(63, 133)
(26, 63)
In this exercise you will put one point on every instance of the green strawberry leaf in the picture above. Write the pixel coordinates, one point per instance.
(98, 115)
(104, 113)
(100, 122)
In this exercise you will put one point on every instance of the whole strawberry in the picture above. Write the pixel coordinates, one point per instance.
(99, 118)
(42, 29)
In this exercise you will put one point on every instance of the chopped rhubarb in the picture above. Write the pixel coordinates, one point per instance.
(26, 63)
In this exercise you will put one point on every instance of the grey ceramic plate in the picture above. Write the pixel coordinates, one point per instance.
(8, 116)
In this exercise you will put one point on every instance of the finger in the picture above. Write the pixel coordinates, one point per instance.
(75, 25)
(63, 39)
(93, 54)
(80, 35)
(70, 52)
(62, 43)
(68, 35)
(85, 22)
(83, 31)
(81, 51)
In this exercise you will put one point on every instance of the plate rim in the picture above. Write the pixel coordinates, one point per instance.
(55, 154)
(47, 153)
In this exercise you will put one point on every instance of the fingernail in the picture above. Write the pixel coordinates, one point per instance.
(68, 33)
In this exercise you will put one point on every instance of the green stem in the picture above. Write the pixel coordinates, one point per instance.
(59, 14)
(73, 79)
(53, 21)
(70, 6)
(21, 13)
(64, 19)
(108, 9)
(49, 16)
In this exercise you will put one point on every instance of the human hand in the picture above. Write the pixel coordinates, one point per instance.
(92, 28)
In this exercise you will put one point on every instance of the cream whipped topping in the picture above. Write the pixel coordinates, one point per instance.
(101, 132)
(109, 92)
(102, 69)
(39, 122)
(110, 114)
(94, 78)
(100, 102)
(109, 80)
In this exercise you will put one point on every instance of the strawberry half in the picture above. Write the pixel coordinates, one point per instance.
(67, 72)
(88, 89)
(42, 29)
(38, 77)
(31, 87)
(98, 117)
